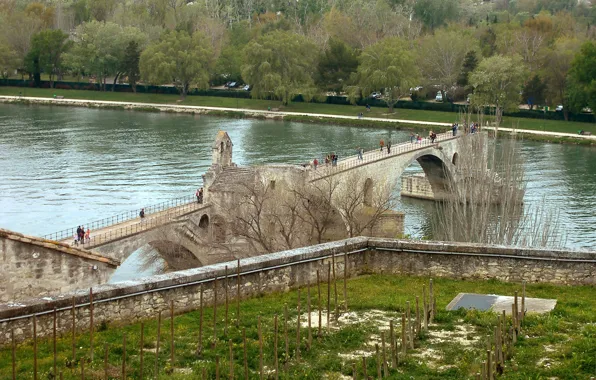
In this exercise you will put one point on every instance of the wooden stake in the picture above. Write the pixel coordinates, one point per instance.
(417, 327)
(385, 369)
(260, 350)
(335, 288)
(200, 344)
(82, 369)
(489, 364)
(238, 294)
(308, 309)
(124, 356)
(217, 367)
(287, 341)
(275, 343)
(35, 347)
(514, 322)
(231, 360)
(245, 355)
(226, 300)
(364, 367)
(328, 295)
(54, 317)
(91, 323)
(379, 375)
(298, 330)
(408, 321)
(431, 301)
(403, 334)
(320, 308)
(523, 301)
(425, 308)
(172, 333)
(354, 373)
(516, 312)
(157, 345)
(73, 340)
(14, 356)
(215, 313)
(105, 362)
(141, 353)
(392, 343)
(483, 369)
(346, 280)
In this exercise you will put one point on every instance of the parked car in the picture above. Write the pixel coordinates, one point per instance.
(375, 95)
(439, 97)
(559, 108)
(247, 87)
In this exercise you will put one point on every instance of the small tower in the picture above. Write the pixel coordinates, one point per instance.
(222, 151)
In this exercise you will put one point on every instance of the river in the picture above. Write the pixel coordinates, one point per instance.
(61, 167)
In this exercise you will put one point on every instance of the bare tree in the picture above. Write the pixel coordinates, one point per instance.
(486, 199)
(318, 211)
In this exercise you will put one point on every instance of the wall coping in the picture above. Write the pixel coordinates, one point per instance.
(57, 246)
(107, 292)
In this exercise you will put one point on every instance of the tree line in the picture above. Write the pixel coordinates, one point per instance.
(500, 52)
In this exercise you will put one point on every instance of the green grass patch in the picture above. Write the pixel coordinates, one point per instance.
(332, 109)
(561, 344)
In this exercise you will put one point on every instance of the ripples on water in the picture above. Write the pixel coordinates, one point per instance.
(61, 167)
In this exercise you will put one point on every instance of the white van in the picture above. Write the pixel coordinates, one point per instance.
(439, 97)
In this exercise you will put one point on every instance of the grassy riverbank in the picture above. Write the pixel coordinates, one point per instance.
(330, 109)
(561, 344)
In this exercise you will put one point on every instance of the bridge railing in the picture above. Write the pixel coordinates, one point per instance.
(140, 225)
(377, 154)
(122, 217)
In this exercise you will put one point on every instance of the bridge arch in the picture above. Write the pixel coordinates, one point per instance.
(437, 169)
(455, 158)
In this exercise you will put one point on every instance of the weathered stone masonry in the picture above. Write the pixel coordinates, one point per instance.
(136, 300)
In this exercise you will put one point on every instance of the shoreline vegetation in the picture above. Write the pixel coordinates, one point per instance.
(298, 112)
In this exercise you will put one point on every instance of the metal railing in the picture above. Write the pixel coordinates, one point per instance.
(376, 154)
(143, 224)
(123, 217)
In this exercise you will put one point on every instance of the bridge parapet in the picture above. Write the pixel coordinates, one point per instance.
(376, 155)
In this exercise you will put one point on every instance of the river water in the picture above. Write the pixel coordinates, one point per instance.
(61, 167)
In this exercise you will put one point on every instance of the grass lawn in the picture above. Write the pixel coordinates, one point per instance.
(408, 114)
(561, 344)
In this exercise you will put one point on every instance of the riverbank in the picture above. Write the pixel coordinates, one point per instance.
(253, 108)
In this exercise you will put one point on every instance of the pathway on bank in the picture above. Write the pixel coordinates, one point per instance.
(183, 108)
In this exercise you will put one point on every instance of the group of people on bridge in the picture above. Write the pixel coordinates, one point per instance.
(82, 236)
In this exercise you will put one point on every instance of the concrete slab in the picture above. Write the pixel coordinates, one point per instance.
(499, 303)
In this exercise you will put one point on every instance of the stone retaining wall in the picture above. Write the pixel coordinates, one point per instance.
(136, 300)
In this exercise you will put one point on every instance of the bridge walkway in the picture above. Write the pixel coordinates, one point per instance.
(132, 226)
(323, 170)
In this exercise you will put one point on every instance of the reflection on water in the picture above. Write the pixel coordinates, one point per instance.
(61, 167)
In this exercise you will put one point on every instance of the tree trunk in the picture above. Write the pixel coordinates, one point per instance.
(565, 113)
(133, 85)
(391, 106)
(184, 90)
(115, 81)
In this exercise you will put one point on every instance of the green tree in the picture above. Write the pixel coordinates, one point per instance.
(441, 57)
(130, 64)
(180, 59)
(9, 61)
(583, 75)
(470, 63)
(47, 48)
(282, 64)
(497, 82)
(100, 49)
(534, 92)
(336, 65)
(389, 65)
(557, 64)
(436, 13)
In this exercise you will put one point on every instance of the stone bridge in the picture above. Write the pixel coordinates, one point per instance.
(438, 160)
(192, 229)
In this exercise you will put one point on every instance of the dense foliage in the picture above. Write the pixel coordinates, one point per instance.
(312, 46)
